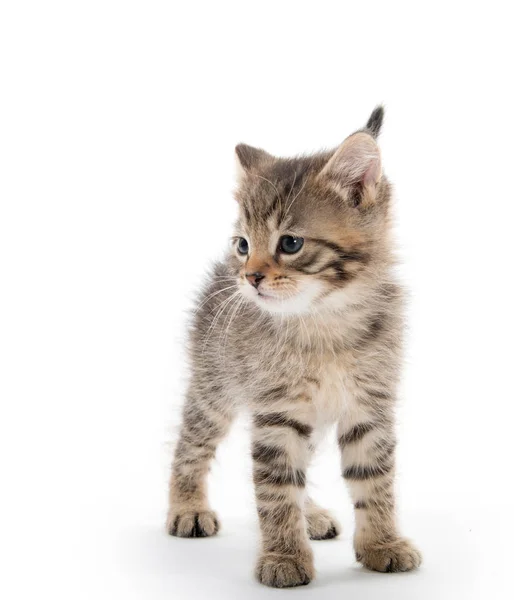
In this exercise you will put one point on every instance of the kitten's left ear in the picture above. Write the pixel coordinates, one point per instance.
(250, 159)
(355, 168)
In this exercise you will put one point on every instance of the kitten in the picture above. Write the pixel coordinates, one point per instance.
(302, 325)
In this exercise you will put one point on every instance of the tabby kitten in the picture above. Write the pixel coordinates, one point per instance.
(301, 324)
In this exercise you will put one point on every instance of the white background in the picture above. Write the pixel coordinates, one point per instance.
(117, 127)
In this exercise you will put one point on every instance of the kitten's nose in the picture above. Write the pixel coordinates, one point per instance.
(255, 278)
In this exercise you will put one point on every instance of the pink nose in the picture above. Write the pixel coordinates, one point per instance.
(255, 278)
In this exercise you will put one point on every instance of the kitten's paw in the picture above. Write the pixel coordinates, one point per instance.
(390, 557)
(321, 525)
(192, 524)
(277, 570)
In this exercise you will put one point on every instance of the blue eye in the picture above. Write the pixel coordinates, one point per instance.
(242, 246)
(289, 244)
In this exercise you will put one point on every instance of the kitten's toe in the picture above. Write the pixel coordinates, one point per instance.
(321, 525)
(279, 571)
(390, 557)
(192, 524)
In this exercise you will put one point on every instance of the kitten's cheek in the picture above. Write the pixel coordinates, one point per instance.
(310, 292)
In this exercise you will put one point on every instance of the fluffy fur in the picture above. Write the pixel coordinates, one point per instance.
(302, 340)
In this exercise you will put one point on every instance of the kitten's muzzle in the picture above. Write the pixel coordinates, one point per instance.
(255, 278)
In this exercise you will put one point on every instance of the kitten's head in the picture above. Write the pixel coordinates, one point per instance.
(311, 227)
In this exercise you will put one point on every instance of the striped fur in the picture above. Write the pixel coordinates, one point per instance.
(301, 340)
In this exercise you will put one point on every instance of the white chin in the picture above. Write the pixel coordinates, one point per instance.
(299, 303)
(292, 305)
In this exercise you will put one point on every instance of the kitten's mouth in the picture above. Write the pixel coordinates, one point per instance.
(264, 296)
(267, 297)
(277, 301)
(271, 298)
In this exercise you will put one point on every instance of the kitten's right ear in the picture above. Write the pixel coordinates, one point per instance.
(249, 159)
(355, 168)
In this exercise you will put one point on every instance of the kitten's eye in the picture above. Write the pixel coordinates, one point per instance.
(290, 244)
(242, 246)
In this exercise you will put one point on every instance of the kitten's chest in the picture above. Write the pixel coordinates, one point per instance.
(333, 397)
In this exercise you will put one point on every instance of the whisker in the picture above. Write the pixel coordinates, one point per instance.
(234, 311)
(292, 201)
(287, 199)
(271, 183)
(230, 287)
(216, 318)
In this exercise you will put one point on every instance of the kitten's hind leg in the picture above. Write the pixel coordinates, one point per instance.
(368, 457)
(321, 525)
(206, 422)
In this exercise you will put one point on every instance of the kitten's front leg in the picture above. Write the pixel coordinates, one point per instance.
(206, 421)
(280, 450)
(368, 456)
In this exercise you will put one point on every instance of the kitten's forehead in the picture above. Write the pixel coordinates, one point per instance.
(268, 202)
(274, 196)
